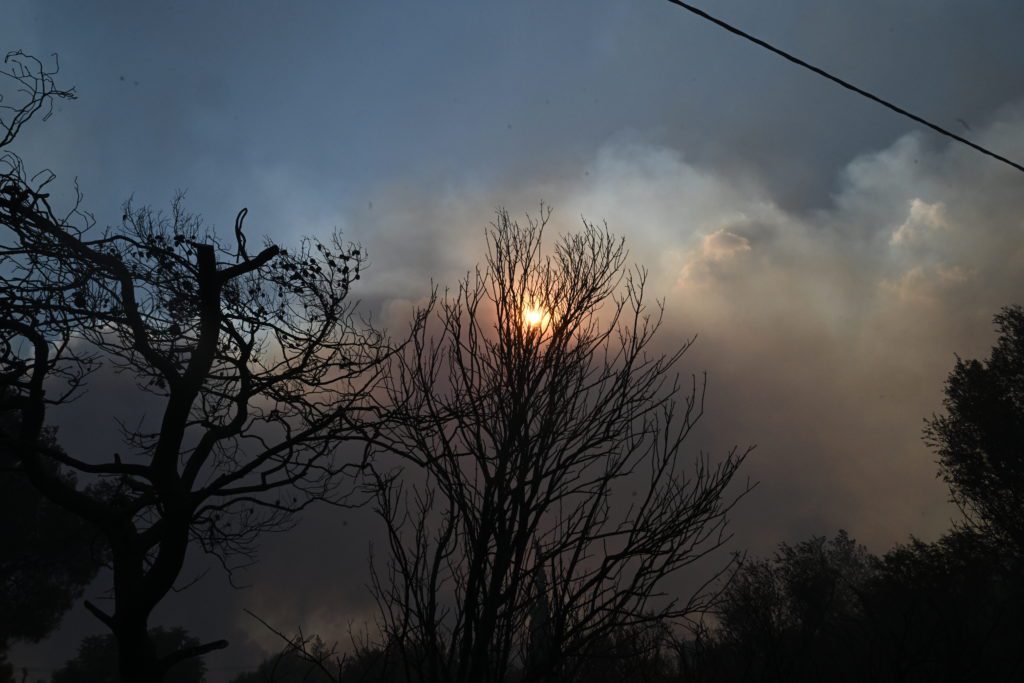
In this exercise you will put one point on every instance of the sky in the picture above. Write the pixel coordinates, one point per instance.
(831, 256)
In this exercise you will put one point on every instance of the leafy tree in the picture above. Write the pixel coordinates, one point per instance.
(311, 660)
(304, 660)
(825, 609)
(791, 617)
(980, 439)
(97, 659)
(640, 654)
(945, 611)
(942, 611)
(255, 362)
(820, 578)
(558, 496)
(47, 555)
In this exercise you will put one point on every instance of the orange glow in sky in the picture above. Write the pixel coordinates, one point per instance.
(535, 316)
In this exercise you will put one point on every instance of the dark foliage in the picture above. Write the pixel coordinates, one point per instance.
(312, 661)
(791, 616)
(47, 555)
(980, 439)
(825, 609)
(97, 659)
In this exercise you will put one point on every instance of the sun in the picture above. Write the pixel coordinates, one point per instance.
(535, 316)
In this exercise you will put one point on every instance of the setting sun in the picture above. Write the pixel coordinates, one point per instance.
(535, 316)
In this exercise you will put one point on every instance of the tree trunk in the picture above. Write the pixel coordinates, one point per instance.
(136, 592)
(137, 658)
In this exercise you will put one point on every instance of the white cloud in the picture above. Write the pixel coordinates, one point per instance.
(923, 219)
(723, 245)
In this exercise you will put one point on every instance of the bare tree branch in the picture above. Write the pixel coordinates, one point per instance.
(556, 497)
(260, 366)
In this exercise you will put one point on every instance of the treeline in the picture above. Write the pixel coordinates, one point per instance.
(950, 610)
(820, 610)
(825, 609)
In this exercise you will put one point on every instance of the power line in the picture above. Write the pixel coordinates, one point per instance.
(846, 84)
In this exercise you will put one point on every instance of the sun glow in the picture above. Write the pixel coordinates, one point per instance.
(535, 316)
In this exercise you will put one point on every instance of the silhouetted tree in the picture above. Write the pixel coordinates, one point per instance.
(47, 555)
(254, 360)
(646, 653)
(315, 665)
(980, 439)
(311, 660)
(826, 610)
(945, 611)
(97, 659)
(557, 496)
(924, 612)
(791, 617)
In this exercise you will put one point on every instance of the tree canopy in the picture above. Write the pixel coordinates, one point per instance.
(980, 438)
(97, 659)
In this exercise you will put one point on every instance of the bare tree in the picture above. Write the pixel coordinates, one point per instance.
(554, 498)
(255, 361)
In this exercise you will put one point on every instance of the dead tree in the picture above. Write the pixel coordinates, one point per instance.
(255, 360)
(551, 497)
